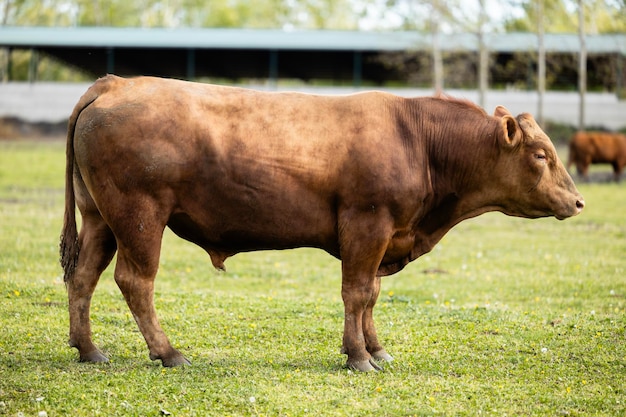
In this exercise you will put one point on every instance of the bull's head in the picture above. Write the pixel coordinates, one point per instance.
(535, 183)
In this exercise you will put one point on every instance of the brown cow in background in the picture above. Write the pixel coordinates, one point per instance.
(587, 148)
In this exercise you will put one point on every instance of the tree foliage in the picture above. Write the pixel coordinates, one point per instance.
(309, 14)
(601, 16)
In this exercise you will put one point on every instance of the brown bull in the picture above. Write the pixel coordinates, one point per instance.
(588, 148)
(373, 179)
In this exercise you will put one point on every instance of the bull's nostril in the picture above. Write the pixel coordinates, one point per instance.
(580, 204)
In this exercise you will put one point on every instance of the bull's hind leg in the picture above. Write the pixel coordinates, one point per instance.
(97, 247)
(139, 247)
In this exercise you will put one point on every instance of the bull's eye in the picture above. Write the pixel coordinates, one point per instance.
(540, 156)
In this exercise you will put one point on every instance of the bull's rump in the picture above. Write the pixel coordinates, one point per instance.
(233, 169)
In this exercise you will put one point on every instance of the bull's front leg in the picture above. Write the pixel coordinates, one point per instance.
(360, 341)
(361, 255)
(373, 346)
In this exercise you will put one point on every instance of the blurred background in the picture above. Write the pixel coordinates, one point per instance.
(562, 60)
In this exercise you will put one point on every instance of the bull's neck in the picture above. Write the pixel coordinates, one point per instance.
(458, 138)
(458, 142)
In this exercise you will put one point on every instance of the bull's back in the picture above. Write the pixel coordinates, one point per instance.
(287, 130)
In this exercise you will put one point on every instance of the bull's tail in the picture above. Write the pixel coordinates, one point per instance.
(69, 247)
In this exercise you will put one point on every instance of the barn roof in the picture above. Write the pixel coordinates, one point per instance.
(269, 39)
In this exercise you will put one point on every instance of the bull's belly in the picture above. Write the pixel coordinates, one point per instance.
(242, 232)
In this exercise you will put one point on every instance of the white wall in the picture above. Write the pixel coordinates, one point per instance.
(53, 102)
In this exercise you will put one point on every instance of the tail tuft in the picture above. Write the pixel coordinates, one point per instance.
(69, 249)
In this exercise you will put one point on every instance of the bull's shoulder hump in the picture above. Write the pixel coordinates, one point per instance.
(375, 96)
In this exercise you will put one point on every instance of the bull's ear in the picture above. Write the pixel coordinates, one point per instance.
(511, 130)
(501, 111)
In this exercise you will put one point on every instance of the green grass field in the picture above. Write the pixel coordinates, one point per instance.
(505, 317)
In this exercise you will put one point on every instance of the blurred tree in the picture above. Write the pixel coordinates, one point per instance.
(437, 57)
(604, 71)
(438, 16)
(582, 65)
(541, 58)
